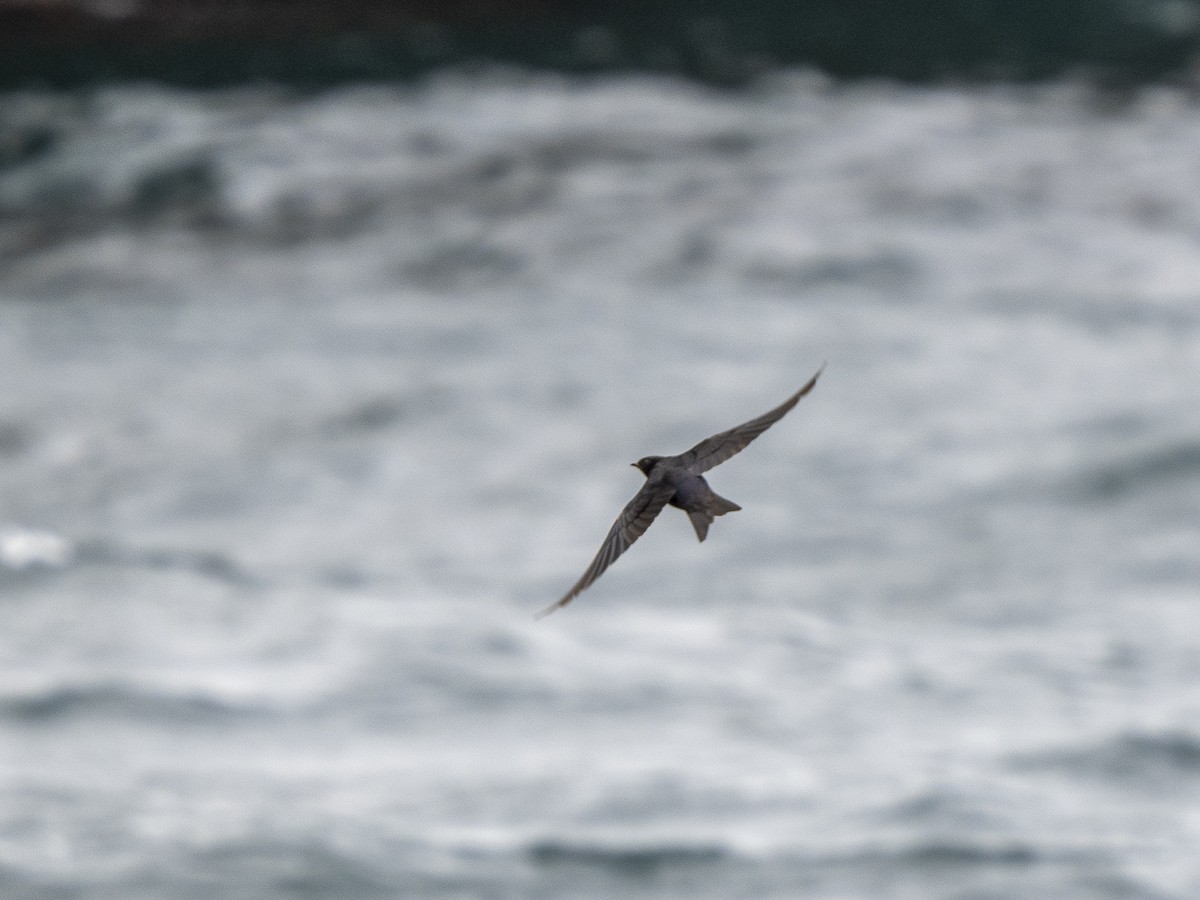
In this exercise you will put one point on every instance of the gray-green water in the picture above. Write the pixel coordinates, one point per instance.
(308, 404)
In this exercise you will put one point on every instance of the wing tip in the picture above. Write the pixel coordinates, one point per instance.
(808, 386)
(812, 381)
(553, 607)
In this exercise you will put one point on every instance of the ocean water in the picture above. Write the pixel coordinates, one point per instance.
(310, 401)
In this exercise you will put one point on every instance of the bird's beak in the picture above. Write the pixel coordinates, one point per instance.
(634, 465)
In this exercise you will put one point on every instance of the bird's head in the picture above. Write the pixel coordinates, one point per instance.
(647, 464)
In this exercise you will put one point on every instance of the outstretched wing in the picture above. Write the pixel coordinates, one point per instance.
(635, 518)
(715, 450)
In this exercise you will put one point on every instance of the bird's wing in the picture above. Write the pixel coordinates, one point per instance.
(715, 450)
(635, 518)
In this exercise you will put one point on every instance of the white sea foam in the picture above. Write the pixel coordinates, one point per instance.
(24, 548)
(316, 400)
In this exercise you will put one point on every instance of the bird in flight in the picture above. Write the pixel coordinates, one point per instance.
(677, 480)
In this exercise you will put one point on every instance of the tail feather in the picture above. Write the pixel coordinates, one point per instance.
(702, 518)
(720, 506)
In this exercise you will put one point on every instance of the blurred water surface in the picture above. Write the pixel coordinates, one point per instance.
(309, 403)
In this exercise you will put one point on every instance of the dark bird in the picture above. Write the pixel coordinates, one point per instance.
(677, 480)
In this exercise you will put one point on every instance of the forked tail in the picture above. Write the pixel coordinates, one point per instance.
(702, 518)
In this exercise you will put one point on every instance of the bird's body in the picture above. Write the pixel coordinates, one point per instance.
(693, 495)
(677, 481)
